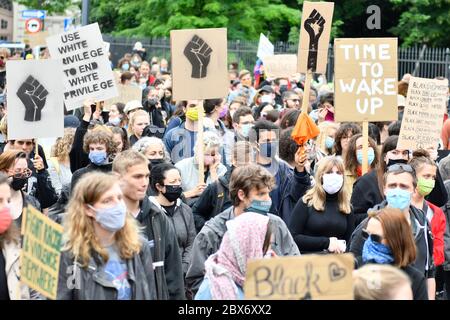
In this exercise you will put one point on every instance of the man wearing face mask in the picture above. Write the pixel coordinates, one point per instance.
(99, 144)
(249, 192)
(180, 141)
(134, 174)
(399, 183)
(265, 134)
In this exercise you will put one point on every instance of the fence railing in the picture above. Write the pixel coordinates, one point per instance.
(420, 61)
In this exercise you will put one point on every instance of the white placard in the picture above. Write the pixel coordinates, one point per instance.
(265, 47)
(87, 72)
(34, 99)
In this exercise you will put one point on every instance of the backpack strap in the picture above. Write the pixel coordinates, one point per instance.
(220, 199)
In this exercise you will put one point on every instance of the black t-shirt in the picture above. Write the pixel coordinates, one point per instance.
(170, 209)
(4, 294)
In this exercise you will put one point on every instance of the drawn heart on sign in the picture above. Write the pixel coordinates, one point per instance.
(336, 272)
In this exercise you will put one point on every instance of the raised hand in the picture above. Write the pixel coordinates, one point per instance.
(33, 96)
(314, 25)
(198, 52)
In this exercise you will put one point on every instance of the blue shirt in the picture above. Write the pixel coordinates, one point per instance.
(180, 143)
(204, 292)
(117, 272)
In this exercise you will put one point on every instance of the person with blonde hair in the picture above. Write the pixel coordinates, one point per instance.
(323, 219)
(138, 121)
(59, 165)
(381, 282)
(104, 256)
(325, 141)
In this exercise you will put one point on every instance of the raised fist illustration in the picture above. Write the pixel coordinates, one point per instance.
(314, 25)
(33, 96)
(198, 52)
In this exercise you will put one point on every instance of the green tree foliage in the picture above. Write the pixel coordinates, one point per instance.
(51, 6)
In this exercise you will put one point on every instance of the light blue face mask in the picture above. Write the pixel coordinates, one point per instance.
(115, 121)
(398, 198)
(370, 156)
(97, 157)
(125, 67)
(329, 142)
(260, 206)
(111, 219)
(246, 129)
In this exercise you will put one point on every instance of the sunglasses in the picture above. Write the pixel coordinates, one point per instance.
(374, 237)
(400, 167)
(24, 174)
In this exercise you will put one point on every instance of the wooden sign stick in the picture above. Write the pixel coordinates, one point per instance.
(200, 151)
(305, 101)
(365, 149)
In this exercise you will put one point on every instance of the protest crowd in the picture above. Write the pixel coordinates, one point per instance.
(164, 199)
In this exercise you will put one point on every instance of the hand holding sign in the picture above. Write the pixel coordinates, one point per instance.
(33, 96)
(198, 53)
(314, 25)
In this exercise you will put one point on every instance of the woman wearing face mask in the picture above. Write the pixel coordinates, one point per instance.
(390, 241)
(368, 189)
(10, 286)
(100, 146)
(166, 183)
(120, 139)
(116, 115)
(326, 139)
(104, 255)
(213, 168)
(153, 149)
(14, 164)
(426, 171)
(343, 135)
(138, 121)
(353, 160)
(323, 219)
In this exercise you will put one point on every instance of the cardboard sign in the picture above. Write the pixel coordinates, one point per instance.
(40, 254)
(199, 63)
(35, 99)
(126, 93)
(265, 47)
(36, 39)
(315, 30)
(365, 79)
(309, 277)
(426, 104)
(87, 72)
(280, 65)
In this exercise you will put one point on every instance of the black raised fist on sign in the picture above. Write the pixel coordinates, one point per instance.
(198, 53)
(314, 25)
(33, 96)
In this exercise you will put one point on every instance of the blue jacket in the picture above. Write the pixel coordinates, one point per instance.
(204, 292)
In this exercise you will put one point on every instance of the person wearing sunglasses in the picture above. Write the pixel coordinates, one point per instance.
(390, 241)
(14, 164)
(291, 100)
(399, 183)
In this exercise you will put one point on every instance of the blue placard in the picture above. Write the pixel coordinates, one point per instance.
(27, 14)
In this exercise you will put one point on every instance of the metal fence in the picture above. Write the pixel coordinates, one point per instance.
(420, 61)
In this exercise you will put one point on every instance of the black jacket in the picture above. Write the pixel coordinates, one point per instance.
(79, 158)
(418, 283)
(91, 283)
(165, 252)
(423, 240)
(214, 199)
(90, 168)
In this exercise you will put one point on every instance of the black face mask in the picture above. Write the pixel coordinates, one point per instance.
(154, 162)
(173, 192)
(18, 183)
(396, 161)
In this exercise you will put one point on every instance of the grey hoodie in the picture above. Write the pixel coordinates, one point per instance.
(209, 238)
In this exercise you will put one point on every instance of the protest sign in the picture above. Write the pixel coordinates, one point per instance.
(315, 30)
(40, 254)
(265, 47)
(126, 93)
(423, 116)
(309, 277)
(365, 79)
(34, 99)
(280, 65)
(199, 63)
(87, 72)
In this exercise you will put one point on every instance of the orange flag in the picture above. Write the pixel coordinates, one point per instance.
(304, 129)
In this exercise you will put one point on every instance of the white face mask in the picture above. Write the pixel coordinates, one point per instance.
(266, 98)
(332, 182)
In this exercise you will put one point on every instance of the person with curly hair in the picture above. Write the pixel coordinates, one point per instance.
(59, 165)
